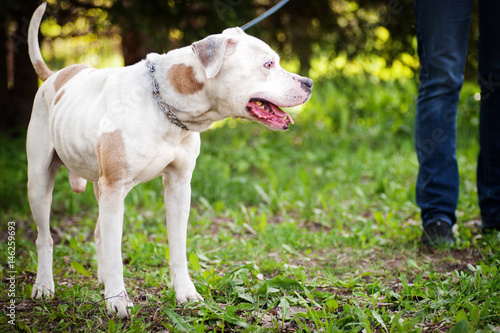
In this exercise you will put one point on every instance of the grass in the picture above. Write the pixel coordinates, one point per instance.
(314, 229)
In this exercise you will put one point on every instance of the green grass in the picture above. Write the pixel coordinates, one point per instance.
(314, 229)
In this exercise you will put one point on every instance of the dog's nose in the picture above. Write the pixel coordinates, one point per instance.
(306, 83)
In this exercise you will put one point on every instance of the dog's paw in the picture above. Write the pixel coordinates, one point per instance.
(186, 293)
(119, 305)
(43, 289)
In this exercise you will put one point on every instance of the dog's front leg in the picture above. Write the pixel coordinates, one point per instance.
(177, 203)
(111, 209)
(98, 241)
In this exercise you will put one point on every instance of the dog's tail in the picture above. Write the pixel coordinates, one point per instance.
(41, 68)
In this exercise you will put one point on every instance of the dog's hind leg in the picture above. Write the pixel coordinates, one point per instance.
(43, 165)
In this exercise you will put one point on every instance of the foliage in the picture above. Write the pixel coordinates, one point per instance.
(343, 30)
(13, 178)
(341, 38)
(314, 229)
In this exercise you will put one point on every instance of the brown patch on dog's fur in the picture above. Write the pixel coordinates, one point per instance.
(111, 156)
(42, 70)
(58, 97)
(66, 74)
(183, 79)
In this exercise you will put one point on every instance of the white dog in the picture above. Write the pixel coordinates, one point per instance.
(123, 126)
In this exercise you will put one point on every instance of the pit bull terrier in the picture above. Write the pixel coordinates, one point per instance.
(119, 127)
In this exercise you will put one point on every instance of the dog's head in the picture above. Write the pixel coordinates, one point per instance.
(247, 81)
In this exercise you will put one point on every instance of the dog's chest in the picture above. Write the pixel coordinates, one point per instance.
(151, 162)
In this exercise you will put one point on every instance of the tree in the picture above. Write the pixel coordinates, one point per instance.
(18, 80)
(299, 31)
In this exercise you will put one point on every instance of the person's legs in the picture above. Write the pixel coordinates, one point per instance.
(442, 33)
(488, 172)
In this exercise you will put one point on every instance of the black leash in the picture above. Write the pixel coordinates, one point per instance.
(267, 13)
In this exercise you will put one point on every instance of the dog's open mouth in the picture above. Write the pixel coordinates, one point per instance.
(269, 114)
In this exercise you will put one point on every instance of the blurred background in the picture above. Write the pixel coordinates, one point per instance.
(369, 40)
(355, 129)
(333, 196)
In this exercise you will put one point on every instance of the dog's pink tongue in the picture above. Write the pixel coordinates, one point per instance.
(280, 113)
(270, 114)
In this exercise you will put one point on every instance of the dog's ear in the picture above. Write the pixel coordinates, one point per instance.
(211, 52)
(234, 31)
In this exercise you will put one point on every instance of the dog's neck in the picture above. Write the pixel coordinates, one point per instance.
(162, 105)
(197, 112)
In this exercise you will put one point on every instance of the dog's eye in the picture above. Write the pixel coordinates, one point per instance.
(269, 64)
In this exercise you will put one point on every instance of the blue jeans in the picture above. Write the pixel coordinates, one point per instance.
(442, 34)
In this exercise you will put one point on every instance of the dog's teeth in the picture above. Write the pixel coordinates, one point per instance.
(259, 103)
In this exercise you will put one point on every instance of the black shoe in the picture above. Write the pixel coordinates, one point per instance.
(438, 234)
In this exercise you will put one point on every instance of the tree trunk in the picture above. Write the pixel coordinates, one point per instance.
(18, 81)
(132, 52)
(132, 49)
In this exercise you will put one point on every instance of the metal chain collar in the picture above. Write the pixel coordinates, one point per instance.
(164, 107)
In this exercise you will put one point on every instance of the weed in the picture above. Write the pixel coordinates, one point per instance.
(310, 230)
